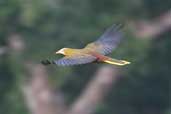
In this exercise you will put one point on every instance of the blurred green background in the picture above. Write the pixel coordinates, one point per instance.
(48, 25)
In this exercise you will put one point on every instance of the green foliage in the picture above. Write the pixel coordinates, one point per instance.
(47, 25)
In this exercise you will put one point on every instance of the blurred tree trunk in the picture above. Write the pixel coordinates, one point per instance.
(150, 29)
(95, 91)
(40, 96)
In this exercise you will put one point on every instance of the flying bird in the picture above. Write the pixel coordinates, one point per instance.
(95, 51)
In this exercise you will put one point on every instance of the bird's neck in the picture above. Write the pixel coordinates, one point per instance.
(70, 51)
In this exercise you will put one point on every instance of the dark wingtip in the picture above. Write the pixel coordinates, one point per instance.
(46, 62)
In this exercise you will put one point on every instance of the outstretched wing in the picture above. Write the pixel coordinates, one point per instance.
(108, 41)
(75, 60)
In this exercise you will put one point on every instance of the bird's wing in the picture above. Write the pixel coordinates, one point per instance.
(75, 60)
(108, 41)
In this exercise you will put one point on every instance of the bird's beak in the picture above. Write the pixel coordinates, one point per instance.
(60, 52)
(57, 52)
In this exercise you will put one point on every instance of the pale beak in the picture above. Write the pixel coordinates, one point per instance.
(60, 52)
(57, 52)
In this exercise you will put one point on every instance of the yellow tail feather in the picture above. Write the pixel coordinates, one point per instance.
(116, 62)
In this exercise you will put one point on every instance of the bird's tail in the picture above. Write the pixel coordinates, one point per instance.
(116, 62)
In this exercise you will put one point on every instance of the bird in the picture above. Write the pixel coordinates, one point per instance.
(96, 51)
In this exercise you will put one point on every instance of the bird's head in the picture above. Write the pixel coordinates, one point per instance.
(62, 51)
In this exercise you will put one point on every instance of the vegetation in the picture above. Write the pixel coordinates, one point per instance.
(48, 25)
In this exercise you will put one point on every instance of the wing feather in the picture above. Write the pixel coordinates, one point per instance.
(108, 41)
(75, 60)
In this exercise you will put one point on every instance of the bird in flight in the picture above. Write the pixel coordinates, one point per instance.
(95, 51)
